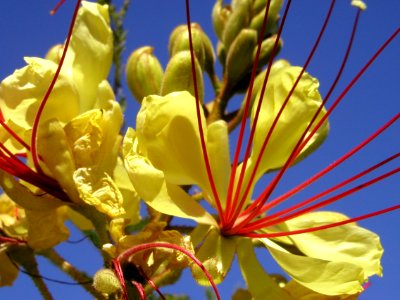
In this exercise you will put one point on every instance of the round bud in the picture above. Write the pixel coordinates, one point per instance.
(105, 281)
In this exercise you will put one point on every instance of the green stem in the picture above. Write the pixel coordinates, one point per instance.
(80, 277)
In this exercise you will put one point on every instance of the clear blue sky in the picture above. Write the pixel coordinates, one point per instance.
(29, 30)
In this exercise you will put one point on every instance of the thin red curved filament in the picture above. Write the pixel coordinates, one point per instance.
(35, 156)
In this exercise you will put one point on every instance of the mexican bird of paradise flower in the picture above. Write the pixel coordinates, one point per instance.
(174, 146)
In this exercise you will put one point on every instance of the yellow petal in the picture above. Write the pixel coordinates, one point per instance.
(296, 115)
(167, 198)
(89, 55)
(216, 253)
(131, 198)
(8, 271)
(218, 153)
(347, 243)
(299, 292)
(151, 185)
(46, 229)
(22, 92)
(57, 156)
(168, 132)
(259, 283)
(320, 275)
(99, 190)
(24, 197)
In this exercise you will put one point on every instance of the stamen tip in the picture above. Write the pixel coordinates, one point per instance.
(359, 4)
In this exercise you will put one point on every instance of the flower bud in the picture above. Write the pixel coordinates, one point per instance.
(144, 73)
(203, 49)
(272, 19)
(220, 15)
(178, 75)
(239, 60)
(179, 41)
(238, 20)
(54, 53)
(105, 281)
(267, 46)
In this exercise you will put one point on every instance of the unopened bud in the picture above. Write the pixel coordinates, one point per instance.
(144, 73)
(239, 60)
(202, 46)
(238, 20)
(179, 75)
(55, 52)
(272, 19)
(105, 281)
(220, 15)
(267, 46)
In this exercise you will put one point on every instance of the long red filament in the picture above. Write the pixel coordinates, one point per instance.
(323, 172)
(260, 201)
(14, 135)
(198, 112)
(126, 254)
(58, 5)
(120, 275)
(327, 226)
(35, 156)
(232, 212)
(267, 192)
(238, 148)
(300, 145)
(301, 142)
(267, 221)
(140, 290)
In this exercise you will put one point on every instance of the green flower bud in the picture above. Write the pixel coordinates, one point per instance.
(267, 46)
(274, 6)
(239, 60)
(178, 75)
(238, 20)
(273, 16)
(203, 49)
(105, 281)
(221, 53)
(55, 52)
(144, 73)
(179, 41)
(220, 15)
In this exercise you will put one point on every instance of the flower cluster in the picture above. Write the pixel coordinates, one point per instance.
(65, 155)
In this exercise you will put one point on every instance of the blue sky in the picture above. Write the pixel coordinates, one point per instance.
(29, 30)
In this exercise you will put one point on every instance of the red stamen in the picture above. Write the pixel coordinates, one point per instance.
(55, 9)
(35, 156)
(262, 198)
(238, 148)
(4, 239)
(260, 201)
(13, 134)
(120, 275)
(327, 226)
(301, 142)
(140, 290)
(234, 208)
(198, 112)
(279, 217)
(152, 284)
(126, 254)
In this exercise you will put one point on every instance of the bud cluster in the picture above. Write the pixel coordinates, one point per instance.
(145, 75)
(239, 26)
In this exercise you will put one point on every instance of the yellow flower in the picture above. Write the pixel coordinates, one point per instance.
(74, 147)
(166, 152)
